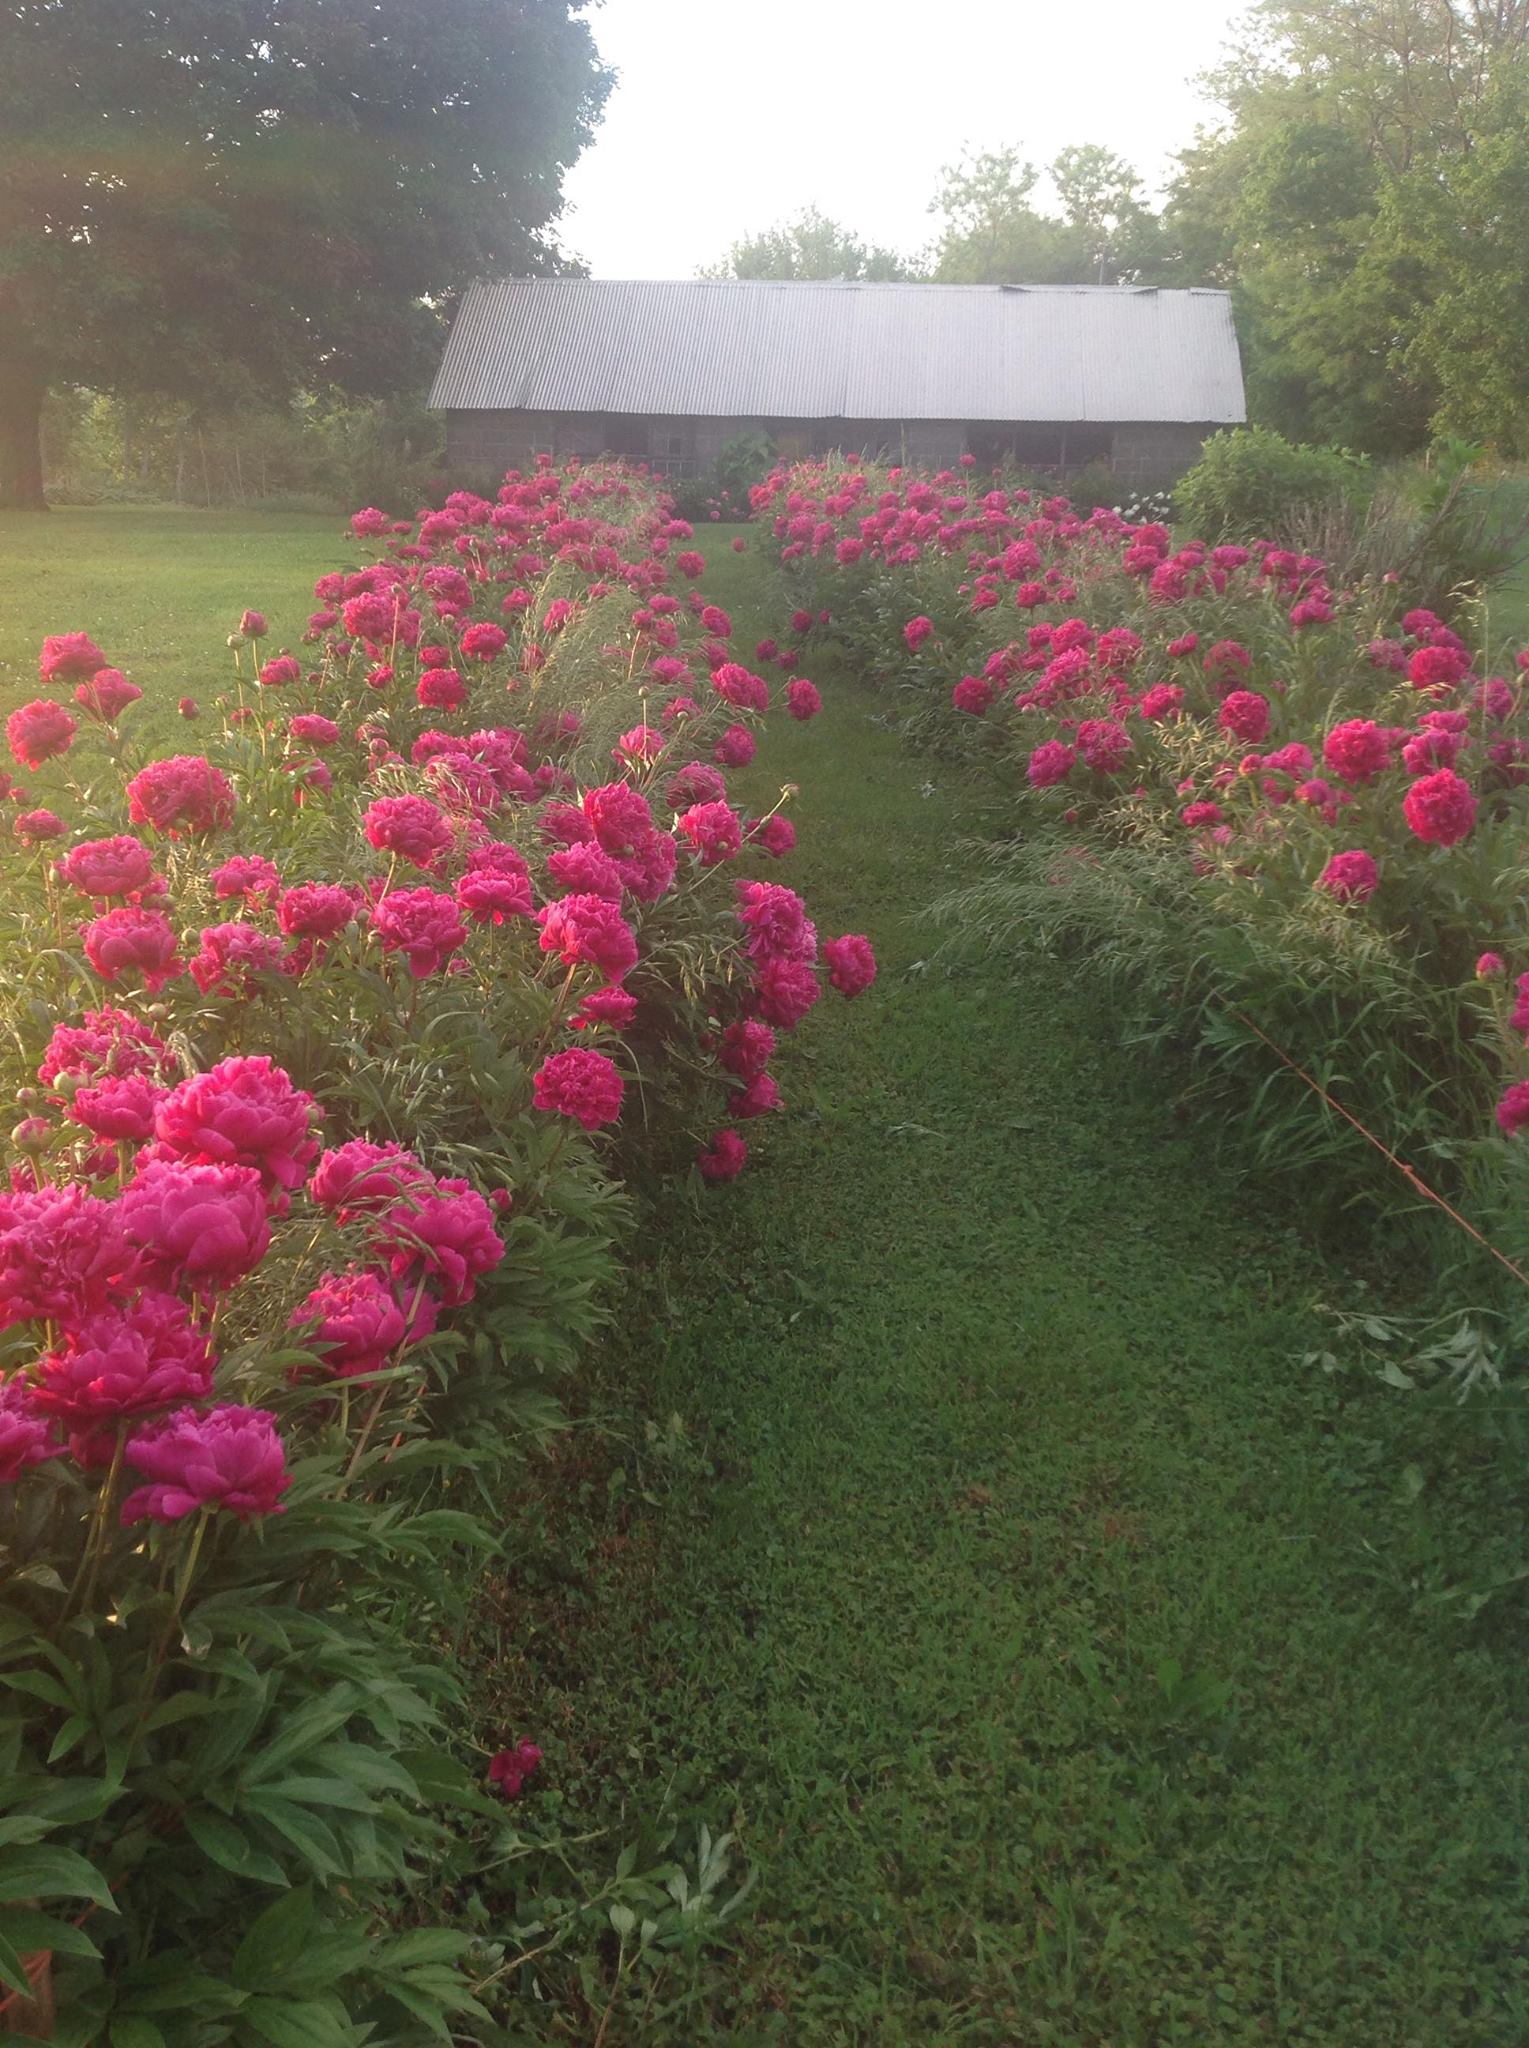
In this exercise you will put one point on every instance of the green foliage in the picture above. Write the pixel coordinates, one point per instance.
(298, 219)
(1251, 482)
(810, 246)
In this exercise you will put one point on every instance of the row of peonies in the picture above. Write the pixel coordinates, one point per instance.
(454, 920)
(1286, 735)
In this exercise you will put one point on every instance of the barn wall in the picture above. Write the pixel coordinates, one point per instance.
(1149, 453)
(1156, 453)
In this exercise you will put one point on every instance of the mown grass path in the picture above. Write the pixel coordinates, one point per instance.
(1045, 1621)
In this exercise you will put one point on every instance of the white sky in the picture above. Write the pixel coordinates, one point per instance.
(730, 115)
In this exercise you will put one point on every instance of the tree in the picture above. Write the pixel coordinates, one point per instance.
(229, 199)
(1365, 201)
(994, 233)
(810, 246)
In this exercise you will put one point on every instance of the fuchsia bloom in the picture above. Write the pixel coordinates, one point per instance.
(69, 657)
(1437, 669)
(315, 910)
(761, 1095)
(410, 826)
(851, 963)
(1050, 763)
(585, 930)
(583, 1085)
(1163, 701)
(36, 826)
(126, 1361)
(747, 1047)
(1490, 966)
(775, 835)
(510, 1768)
(1104, 745)
(62, 1255)
(182, 794)
(609, 1005)
(132, 941)
(310, 730)
(726, 1156)
(360, 1178)
(1244, 715)
(242, 1112)
(106, 1041)
(974, 694)
(784, 991)
(484, 642)
(713, 830)
(249, 875)
(227, 1459)
(355, 1324)
(282, 668)
(252, 625)
(107, 695)
(736, 685)
(1358, 750)
(1350, 877)
(735, 749)
(585, 869)
(916, 632)
(120, 866)
(1513, 1110)
(422, 924)
(695, 783)
(26, 1434)
(39, 731)
(117, 1107)
(776, 921)
(232, 955)
(441, 1233)
(195, 1226)
(1441, 808)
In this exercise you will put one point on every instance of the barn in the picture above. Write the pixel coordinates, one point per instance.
(1055, 376)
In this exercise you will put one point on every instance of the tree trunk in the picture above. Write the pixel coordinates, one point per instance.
(21, 396)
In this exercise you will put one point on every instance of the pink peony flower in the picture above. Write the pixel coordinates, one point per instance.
(107, 695)
(195, 1226)
(1440, 808)
(410, 826)
(851, 963)
(1244, 715)
(126, 1361)
(588, 930)
(120, 866)
(26, 1435)
(1050, 763)
(1104, 745)
(775, 835)
(62, 1255)
(784, 991)
(107, 1041)
(803, 699)
(776, 921)
(117, 1107)
(33, 827)
(182, 794)
(442, 1232)
(231, 956)
(252, 625)
(747, 1048)
(1513, 1110)
(974, 695)
(39, 731)
(69, 657)
(612, 1006)
(131, 940)
(310, 730)
(757, 1099)
(355, 1325)
(1437, 669)
(695, 783)
(1358, 750)
(360, 1178)
(280, 669)
(510, 1768)
(1490, 966)
(713, 830)
(916, 632)
(422, 924)
(724, 1158)
(1350, 877)
(227, 1459)
(249, 875)
(583, 1085)
(242, 1112)
(484, 642)
(735, 749)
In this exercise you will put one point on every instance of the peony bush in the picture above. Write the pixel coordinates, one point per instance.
(334, 1043)
(1287, 817)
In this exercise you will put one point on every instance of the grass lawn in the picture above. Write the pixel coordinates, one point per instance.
(976, 1544)
(1048, 1633)
(159, 589)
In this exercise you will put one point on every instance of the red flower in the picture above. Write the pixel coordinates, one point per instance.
(67, 657)
(583, 1085)
(1441, 808)
(39, 731)
(132, 940)
(724, 1158)
(229, 1459)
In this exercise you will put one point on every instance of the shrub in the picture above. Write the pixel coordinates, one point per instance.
(331, 1041)
(1251, 483)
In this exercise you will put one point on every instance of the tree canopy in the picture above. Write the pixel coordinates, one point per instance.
(810, 246)
(242, 197)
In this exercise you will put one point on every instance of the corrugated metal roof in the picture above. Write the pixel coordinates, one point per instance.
(730, 349)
